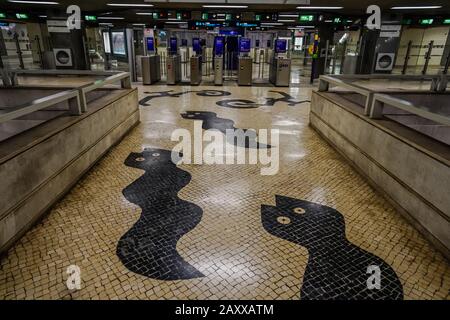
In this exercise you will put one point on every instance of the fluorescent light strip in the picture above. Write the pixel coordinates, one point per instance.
(42, 16)
(288, 15)
(33, 2)
(138, 24)
(110, 18)
(175, 22)
(224, 7)
(416, 8)
(285, 20)
(144, 13)
(305, 27)
(129, 5)
(321, 8)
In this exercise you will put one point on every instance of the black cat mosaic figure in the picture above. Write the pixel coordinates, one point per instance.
(149, 247)
(212, 121)
(270, 102)
(337, 269)
(170, 94)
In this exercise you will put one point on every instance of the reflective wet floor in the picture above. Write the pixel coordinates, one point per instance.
(140, 227)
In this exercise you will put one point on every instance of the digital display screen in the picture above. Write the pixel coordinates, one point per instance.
(230, 32)
(219, 46)
(106, 42)
(196, 45)
(173, 46)
(150, 44)
(280, 45)
(118, 43)
(244, 45)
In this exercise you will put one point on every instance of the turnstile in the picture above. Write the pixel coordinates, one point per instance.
(196, 70)
(218, 71)
(245, 71)
(151, 70)
(280, 72)
(173, 69)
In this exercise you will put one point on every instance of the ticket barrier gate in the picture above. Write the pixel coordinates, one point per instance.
(280, 71)
(173, 69)
(151, 69)
(196, 70)
(245, 71)
(218, 71)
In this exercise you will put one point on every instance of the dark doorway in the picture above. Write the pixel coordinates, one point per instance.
(231, 52)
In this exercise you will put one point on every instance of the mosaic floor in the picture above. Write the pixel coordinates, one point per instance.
(139, 227)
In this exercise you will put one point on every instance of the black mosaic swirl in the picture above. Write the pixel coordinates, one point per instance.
(170, 94)
(149, 247)
(337, 269)
(212, 121)
(248, 104)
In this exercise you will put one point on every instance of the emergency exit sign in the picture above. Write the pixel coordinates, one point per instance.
(447, 21)
(90, 18)
(2, 15)
(426, 21)
(306, 18)
(21, 16)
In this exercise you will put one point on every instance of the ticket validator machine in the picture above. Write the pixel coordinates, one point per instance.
(219, 46)
(173, 63)
(150, 63)
(196, 62)
(245, 64)
(280, 67)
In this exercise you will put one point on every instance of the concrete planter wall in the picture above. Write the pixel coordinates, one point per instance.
(43, 170)
(413, 178)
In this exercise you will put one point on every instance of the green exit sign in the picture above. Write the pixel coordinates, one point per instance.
(257, 17)
(179, 16)
(2, 15)
(337, 20)
(447, 21)
(155, 15)
(426, 21)
(205, 16)
(21, 16)
(306, 18)
(90, 18)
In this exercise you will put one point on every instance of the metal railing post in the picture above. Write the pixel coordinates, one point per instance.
(376, 112)
(407, 57)
(428, 57)
(74, 105)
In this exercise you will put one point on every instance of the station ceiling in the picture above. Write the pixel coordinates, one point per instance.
(349, 6)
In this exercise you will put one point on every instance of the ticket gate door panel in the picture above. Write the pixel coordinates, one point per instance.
(196, 70)
(245, 71)
(173, 69)
(218, 71)
(150, 66)
(280, 71)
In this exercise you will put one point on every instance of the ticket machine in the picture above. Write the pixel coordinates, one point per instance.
(245, 65)
(219, 43)
(173, 63)
(280, 67)
(196, 62)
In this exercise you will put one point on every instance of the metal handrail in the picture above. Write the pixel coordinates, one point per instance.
(375, 102)
(76, 97)
(42, 103)
(324, 85)
(411, 77)
(379, 100)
